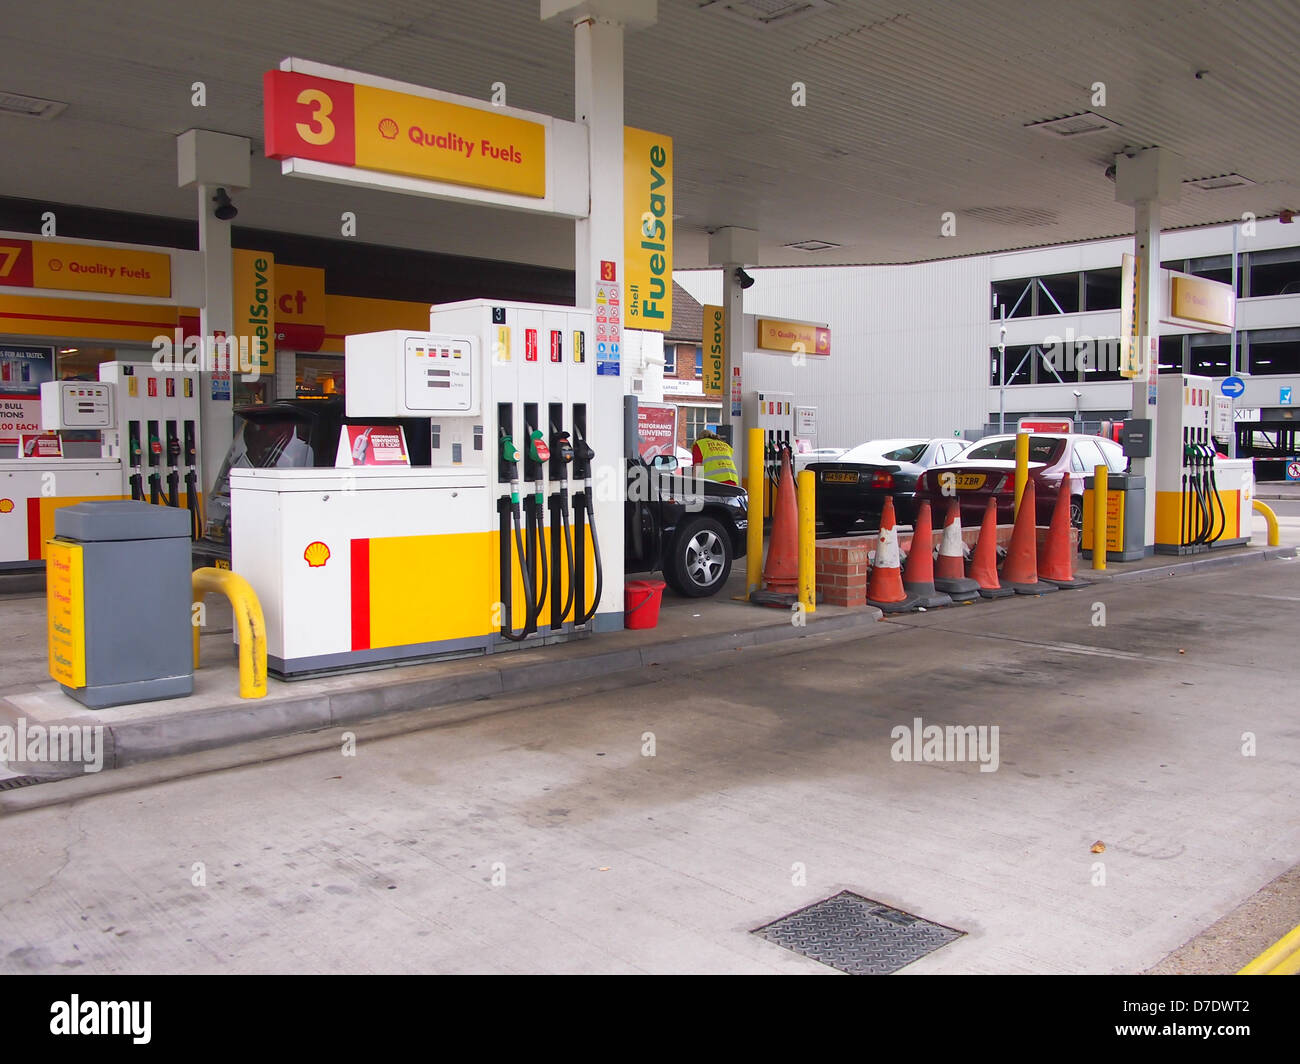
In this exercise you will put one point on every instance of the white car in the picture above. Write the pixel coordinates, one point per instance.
(822, 454)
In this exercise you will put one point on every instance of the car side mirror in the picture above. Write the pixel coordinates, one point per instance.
(664, 463)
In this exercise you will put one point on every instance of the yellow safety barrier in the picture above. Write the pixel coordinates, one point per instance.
(754, 531)
(1100, 515)
(249, 622)
(1022, 466)
(808, 540)
(1274, 534)
(1281, 958)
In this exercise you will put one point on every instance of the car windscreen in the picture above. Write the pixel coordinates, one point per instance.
(266, 443)
(875, 452)
(1044, 449)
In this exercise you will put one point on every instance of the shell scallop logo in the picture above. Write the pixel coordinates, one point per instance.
(388, 129)
(316, 554)
(6, 506)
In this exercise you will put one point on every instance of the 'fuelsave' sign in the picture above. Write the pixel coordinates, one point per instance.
(648, 229)
(347, 124)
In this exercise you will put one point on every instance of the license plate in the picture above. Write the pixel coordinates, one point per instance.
(840, 477)
(221, 563)
(970, 481)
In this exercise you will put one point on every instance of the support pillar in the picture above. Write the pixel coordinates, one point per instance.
(207, 161)
(598, 29)
(1146, 181)
(733, 248)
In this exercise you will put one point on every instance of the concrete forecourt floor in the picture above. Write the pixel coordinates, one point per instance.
(648, 819)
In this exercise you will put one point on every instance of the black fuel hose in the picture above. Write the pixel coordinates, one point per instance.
(568, 552)
(541, 551)
(583, 616)
(530, 604)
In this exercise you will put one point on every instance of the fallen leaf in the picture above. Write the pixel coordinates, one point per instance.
(1181, 650)
(1098, 847)
(604, 868)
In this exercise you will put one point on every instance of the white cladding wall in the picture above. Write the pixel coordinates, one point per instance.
(908, 354)
(910, 344)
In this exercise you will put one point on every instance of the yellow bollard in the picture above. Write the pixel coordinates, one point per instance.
(1022, 466)
(1274, 534)
(249, 622)
(1100, 515)
(754, 532)
(808, 540)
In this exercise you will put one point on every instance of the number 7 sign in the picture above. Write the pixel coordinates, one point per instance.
(16, 263)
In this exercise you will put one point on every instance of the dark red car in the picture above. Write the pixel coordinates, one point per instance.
(988, 470)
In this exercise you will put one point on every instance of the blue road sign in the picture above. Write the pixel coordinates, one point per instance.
(1232, 386)
(1284, 396)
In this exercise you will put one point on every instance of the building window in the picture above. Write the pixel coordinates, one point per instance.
(1101, 289)
(1016, 297)
(699, 418)
(1274, 273)
(1098, 360)
(1058, 294)
(670, 360)
(1020, 366)
(1209, 354)
(699, 363)
(1271, 351)
(1172, 354)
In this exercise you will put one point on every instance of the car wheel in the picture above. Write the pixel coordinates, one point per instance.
(699, 560)
(1076, 511)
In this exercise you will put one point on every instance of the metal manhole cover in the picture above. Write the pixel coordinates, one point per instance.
(857, 935)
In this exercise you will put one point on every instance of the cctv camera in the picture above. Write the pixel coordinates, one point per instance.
(225, 209)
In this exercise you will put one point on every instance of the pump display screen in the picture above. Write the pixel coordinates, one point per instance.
(439, 376)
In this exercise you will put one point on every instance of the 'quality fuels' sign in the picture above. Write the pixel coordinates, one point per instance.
(340, 122)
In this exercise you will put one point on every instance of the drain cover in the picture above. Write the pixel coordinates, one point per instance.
(13, 782)
(858, 935)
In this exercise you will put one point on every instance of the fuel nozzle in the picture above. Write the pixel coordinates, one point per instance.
(510, 464)
(561, 454)
(538, 453)
(583, 456)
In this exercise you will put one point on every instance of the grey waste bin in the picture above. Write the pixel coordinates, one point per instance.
(1132, 492)
(118, 598)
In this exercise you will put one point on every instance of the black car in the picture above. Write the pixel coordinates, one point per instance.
(692, 530)
(854, 487)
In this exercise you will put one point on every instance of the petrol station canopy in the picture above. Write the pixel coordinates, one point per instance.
(910, 109)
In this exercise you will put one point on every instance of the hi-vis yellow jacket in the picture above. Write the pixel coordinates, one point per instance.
(716, 462)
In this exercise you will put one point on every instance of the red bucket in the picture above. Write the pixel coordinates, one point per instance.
(641, 603)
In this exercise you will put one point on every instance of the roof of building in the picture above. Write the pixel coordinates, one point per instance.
(688, 318)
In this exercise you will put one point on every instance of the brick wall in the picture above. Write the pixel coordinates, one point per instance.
(843, 565)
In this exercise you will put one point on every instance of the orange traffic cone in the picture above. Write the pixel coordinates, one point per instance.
(1020, 570)
(984, 562)
(918, 576)
(781, 571)
(1056, 556)
(885, 588)
(950, 570)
